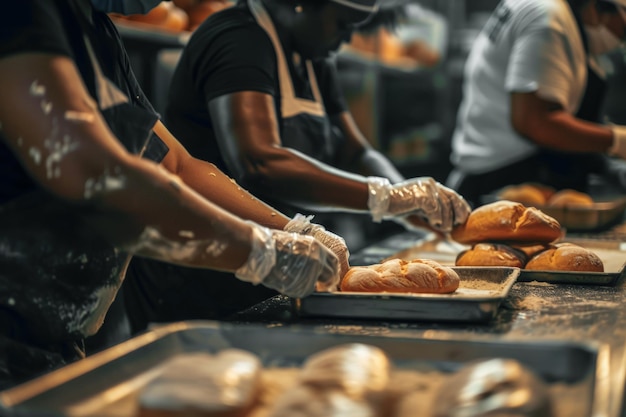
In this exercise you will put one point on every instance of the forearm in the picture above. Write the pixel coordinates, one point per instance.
(154, 214)
(566, 133)
(549, 126)
(214, 185)
(298, 179)
(373, 163)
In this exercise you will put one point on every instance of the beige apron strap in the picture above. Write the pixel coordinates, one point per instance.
(108, 94)
(290, 104)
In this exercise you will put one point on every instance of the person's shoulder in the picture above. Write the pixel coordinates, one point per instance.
(231, 20)
(542, 15)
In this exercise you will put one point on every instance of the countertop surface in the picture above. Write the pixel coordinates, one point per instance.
(532, 311)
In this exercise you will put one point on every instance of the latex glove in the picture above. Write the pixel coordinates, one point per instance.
(289, 263)
(619, 141)
(442, 207)
(302, 224)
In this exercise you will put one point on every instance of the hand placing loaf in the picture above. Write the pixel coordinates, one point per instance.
(400, 276)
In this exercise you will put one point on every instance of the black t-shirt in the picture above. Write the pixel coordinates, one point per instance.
(54, 26)
(228, 53)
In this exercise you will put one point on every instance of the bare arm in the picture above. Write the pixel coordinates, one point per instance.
(548, 125)
(58, 134)
(359, 156)
(247, 129)
(213, 184)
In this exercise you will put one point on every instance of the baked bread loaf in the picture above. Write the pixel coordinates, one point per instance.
(507, 221)
(526, 194)
(569, 198)
(345, 380)
(530, 250)
(566, 257)
(400, 276)
(491, 254)
(199, 384)
(493, 387)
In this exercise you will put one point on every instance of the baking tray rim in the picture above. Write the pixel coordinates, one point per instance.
(13, 397)
(506, 284)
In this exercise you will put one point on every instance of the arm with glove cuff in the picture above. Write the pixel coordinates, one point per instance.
(290, 263)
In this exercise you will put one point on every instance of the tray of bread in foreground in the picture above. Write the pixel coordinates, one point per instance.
(392, 290)
(507, 233)
(210, 369)
(574, 210)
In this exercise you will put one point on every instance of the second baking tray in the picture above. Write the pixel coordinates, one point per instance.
(107, 384)
(612, 253)
(477, 299)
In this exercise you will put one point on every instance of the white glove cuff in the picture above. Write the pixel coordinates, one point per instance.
(619, 141)
(300, 224)
(262, 257)
(378, 197)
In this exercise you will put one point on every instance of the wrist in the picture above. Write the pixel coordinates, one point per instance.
(262, 257)
(300, 224)
(618, 148)
(378, 197)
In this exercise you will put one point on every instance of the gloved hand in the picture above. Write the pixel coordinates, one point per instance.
(290, 263)
(619, 141)
(442, 207)
(302, 225)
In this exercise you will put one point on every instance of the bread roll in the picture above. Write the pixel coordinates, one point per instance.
(570, 198)
(199, 384)
(530, 250)
(491, 254)
(493, 387)
(507, 221)
(400, 276)
(566, 257)
(526, 194)
(307, 401)
(345, 380)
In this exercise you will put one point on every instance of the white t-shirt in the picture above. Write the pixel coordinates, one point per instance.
(526, 46)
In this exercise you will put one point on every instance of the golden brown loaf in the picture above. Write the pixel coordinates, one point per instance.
(493, 387)
(491, 254)
(507, 221)
(566, 257)
(345, 380)
(400, 276)
(198, 384)
(526, 194)
(569, 198)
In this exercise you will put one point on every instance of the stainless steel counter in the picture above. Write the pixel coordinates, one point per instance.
(533, 311)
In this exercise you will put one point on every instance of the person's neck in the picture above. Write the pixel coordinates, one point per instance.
(282, 21)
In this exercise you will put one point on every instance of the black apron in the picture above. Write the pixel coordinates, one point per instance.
(158, 292)
(58, 276)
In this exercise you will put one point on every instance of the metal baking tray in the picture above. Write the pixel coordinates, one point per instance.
(612, 253)
(477, 299)
(107, 383)
(605, 212)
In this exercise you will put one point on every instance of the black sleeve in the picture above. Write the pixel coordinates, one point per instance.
(238, 59)
(32, 26)
(332, 94)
